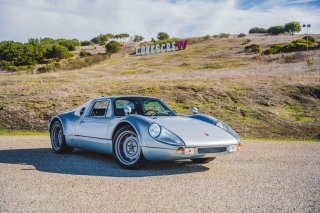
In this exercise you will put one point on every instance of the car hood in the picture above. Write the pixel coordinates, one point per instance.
(197, 133)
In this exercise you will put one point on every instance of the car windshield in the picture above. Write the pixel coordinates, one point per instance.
(142, 106)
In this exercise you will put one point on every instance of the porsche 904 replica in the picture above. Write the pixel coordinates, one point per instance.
(137, 129)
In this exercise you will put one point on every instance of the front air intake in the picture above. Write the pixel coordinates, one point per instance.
(212, 150)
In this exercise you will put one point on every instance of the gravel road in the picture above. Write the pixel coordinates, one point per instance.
(262, 177)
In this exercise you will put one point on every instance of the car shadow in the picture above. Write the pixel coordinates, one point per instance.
(81, 162)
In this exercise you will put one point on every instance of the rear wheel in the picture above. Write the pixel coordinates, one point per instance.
(127, 149)
(58, 140)
(202, 160)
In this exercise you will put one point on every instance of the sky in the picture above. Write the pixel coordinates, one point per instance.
(85, 19)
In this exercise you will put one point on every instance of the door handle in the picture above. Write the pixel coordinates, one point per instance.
(81, 121)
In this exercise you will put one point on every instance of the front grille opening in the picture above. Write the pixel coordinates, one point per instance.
(212, 150)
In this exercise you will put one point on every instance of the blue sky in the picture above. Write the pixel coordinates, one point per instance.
(84, 19)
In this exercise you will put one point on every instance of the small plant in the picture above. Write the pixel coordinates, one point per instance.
(57, 65)
(288, 58)
(253, 48)
(84, 53)
(224, 35)
(86, 43)
(206, 38)
(241, 35)
(275, 48)
(44, 69)
(310, 62)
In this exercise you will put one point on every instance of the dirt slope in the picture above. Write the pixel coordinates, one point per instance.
(259, 96)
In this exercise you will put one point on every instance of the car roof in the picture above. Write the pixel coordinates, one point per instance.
(123, 96)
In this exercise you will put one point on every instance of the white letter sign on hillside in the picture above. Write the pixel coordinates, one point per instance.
(168, 47)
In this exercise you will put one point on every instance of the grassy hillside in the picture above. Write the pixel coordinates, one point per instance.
(259, 96)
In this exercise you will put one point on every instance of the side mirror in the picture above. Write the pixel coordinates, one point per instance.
(127, 110)
(82, 111)
(194, 110)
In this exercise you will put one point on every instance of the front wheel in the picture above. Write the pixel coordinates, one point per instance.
(202, 160)
(127, 149)
(58, 140)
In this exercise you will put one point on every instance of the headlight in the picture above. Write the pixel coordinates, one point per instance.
(220, 124)
(228, 129)
(163, 135)
(154, 130)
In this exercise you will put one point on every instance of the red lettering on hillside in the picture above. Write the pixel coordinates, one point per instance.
(182, 44)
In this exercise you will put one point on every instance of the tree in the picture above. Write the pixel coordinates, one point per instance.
(162, 36)
(138, 38)
(113, 47)
(292, 27)
(257, 30)
(59, 52)
(276, 30)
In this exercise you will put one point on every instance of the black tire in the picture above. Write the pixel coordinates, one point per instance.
(203, 160)
(58, 141)
(127, 150)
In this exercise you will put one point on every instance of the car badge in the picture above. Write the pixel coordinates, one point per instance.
(206, 134)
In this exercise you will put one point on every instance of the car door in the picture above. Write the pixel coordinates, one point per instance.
(93, 127)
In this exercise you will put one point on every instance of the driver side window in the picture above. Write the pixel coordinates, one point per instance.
(99, 108)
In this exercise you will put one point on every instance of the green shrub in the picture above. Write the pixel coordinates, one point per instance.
(275, 48)
(206, 37)
(44, 69)
(270, 51)
(241, 35)
(224, 35)
(83, 53)
(253, 48)
(86, 43)
(57, 65)
(310, 38)
(276, 30)
(257, 30)
(113, 47)
(162, 36)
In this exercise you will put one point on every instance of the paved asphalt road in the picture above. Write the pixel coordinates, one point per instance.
(263, 177)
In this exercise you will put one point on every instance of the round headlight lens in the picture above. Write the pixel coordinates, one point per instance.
(154, 130)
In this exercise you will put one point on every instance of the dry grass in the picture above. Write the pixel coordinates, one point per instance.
(217, 76)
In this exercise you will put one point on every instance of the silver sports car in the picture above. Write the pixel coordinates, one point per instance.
(138, 129)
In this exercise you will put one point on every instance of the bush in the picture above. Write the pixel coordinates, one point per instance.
(162, 36)
(275, 48)
(270, 51)
(241, 35)
(57, 65)
(276, 30)
(86, 43)
(224, 35)
(253, 48)
(215, 36)
(310, 38)
(206, 38)
(44, 69)
(257, 30)
(83, 53)
(113, 47)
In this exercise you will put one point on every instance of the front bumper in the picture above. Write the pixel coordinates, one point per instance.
(161, 154)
